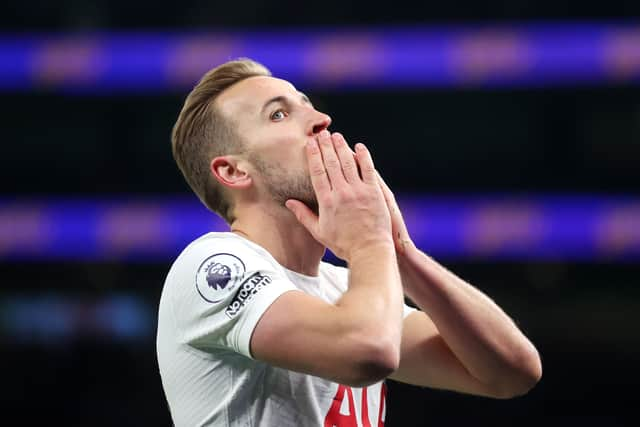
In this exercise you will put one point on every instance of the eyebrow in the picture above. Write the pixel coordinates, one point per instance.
(284, 100)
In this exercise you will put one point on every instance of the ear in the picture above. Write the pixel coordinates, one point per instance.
(230, 172)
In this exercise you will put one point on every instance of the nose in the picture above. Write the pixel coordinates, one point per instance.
(320, 122)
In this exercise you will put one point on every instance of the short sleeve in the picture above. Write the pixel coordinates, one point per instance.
(222, 289)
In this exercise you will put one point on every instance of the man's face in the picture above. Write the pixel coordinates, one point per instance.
(275, 122)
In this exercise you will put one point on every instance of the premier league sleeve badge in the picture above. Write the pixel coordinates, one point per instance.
(218, 276)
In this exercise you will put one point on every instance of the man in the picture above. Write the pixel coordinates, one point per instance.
(255, 330)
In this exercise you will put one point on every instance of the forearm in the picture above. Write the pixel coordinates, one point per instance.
(478, 332)
(354, 341)
(372, 306)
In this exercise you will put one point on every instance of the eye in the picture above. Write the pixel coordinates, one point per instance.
(278, 115)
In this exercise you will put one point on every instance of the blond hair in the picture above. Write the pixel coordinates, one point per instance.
(202, 133)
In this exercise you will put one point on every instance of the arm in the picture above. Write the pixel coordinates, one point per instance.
(462, 341)
(357, 340)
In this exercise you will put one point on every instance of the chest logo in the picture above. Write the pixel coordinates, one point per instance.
(218, 276)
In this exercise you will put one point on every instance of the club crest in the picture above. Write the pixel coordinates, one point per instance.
(218, 276)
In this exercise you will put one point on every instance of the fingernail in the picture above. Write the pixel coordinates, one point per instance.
(325, 133)
(360, 146)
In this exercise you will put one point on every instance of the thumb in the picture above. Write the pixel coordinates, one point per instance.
(303, 214)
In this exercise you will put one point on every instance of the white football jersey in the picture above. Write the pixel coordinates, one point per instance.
(213, 297)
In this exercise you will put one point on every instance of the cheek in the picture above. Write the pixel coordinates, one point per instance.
(283, 147)
(290, 154)
(302, 162)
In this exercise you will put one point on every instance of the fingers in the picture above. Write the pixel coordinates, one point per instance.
(349, 166)
(332, 163)
(385, 192)
(389, 198)
(330, 159)
(400, 232)
(319, 178)
(365, 161)
(388, 194)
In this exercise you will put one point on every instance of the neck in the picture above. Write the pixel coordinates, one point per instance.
(277, 230)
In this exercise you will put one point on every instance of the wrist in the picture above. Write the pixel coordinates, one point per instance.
(373, 248)
(416, 270)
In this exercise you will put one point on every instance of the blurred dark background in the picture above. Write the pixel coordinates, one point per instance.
(79, 298)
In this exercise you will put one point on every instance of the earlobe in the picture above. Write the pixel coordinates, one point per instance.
(229, 172)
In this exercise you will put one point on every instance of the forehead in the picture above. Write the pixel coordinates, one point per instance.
(248, 95)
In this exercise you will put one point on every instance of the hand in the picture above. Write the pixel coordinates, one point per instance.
(400, 234)
(352, 213)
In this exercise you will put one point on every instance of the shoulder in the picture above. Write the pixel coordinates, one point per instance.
(219, 262)
(218, 289)
(225, 248)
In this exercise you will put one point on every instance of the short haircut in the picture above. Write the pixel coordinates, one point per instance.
(202, 133)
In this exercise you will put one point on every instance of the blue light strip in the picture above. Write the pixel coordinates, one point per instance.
(473, 56)
(55, 318)
(469, 227)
